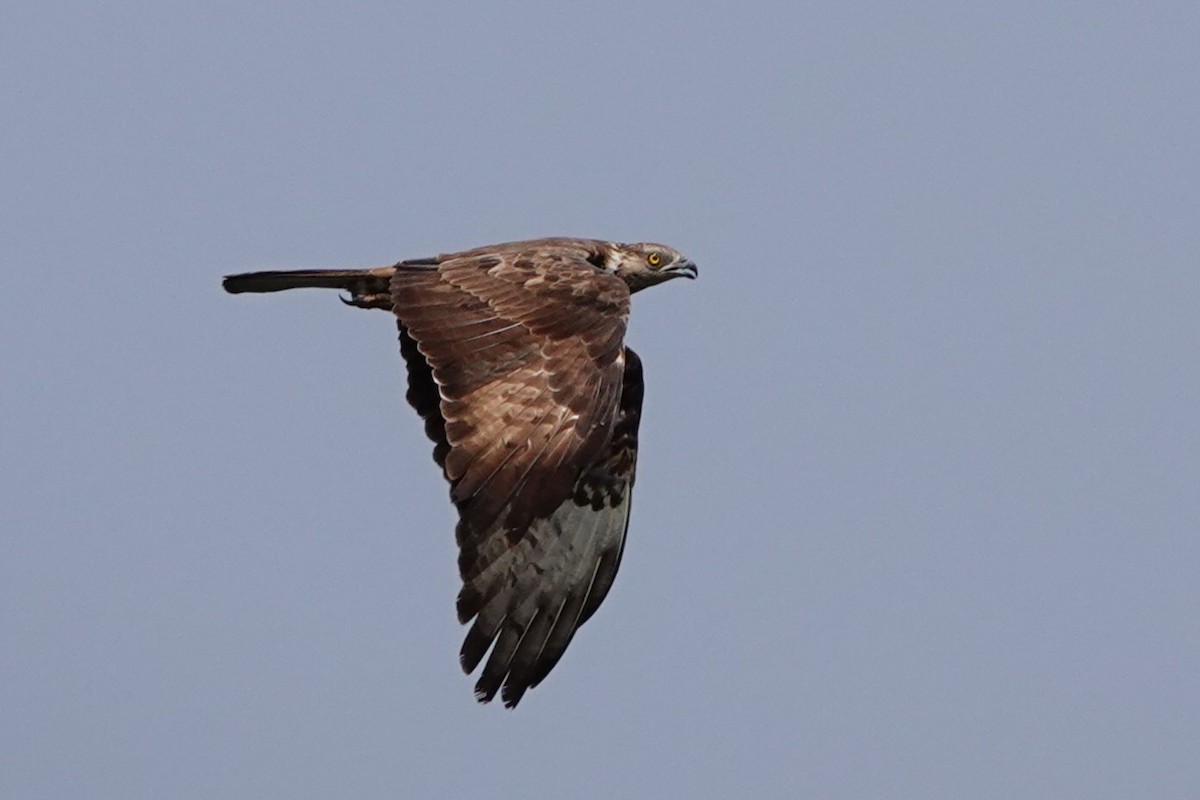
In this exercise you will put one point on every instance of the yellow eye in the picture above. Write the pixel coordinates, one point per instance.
(654, 259)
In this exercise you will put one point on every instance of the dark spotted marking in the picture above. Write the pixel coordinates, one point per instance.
(596, 259)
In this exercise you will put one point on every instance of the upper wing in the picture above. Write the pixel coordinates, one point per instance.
(524, 345)
(534, 584)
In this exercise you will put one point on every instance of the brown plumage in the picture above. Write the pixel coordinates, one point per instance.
(516, 364)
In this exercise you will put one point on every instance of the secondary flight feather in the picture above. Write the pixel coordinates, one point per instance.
(517, 364)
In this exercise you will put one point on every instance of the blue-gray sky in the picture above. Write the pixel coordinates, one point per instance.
(918, 511)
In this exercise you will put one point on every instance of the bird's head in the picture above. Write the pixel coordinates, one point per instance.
(645, 264)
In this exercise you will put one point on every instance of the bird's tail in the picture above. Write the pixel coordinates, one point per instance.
(368, 288)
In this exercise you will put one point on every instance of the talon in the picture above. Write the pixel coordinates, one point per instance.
(382, 301)
(355, 300)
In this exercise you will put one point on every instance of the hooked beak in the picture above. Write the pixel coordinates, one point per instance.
(686, 268)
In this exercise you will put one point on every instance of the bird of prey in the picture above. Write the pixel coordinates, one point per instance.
(517, 365)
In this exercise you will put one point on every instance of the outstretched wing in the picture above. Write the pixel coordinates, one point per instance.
(537, 557)
(530, 597)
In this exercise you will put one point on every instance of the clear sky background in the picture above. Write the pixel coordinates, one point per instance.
(918, 511)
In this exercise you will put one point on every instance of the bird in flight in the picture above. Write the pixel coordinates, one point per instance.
(517, 364)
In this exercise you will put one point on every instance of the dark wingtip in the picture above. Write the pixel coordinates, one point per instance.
(485, 691)
(512, 695)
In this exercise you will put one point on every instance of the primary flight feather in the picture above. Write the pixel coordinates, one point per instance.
(517, 365)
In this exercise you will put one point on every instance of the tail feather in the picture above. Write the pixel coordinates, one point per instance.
(276, 281)
(368, 288)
